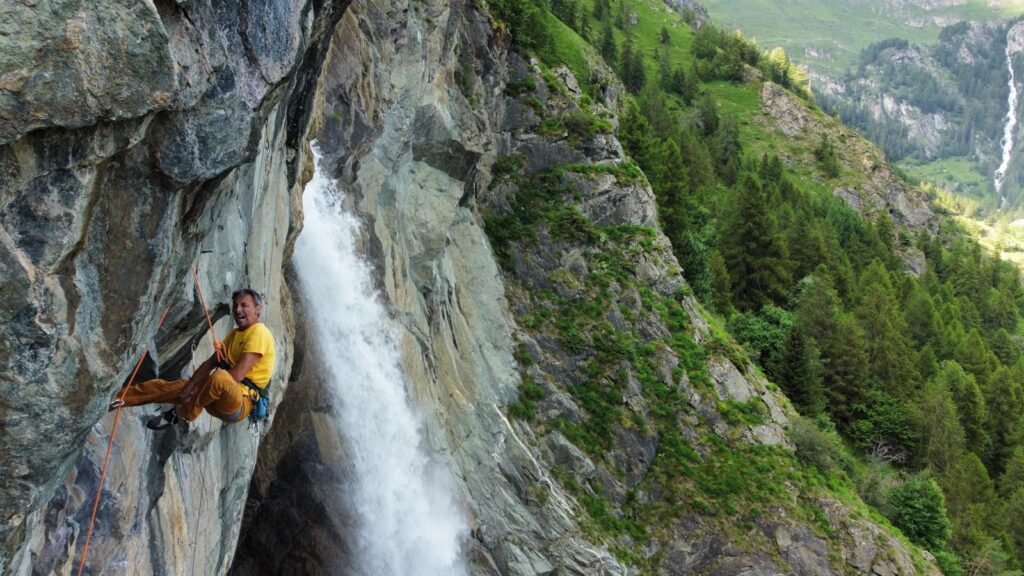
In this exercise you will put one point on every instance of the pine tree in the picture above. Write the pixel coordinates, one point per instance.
(1005, 401)
(700, 165)
(890, 352)
(825, 153)
(973, 354)
(801, 373)
(970, 405)
(943, 438)
(755, 254)
(972, 503)
(922, 319)
(727, 151)
(621, 17)
(632, 67)
(664, 71)
(609, 50)
(707, 115)
(665, 38)
(635, 133)
(705, 42)
(721, 285)
(846, 369)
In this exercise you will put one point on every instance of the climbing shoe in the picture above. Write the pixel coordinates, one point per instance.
(163, 420)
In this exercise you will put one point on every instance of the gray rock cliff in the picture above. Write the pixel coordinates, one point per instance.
(137, 139)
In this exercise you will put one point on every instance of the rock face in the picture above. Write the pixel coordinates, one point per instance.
(137, 139)
(877, 189)
(414, 145)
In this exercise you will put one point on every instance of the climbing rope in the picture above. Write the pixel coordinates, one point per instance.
(209, 321)
(110, 445)
(201, 465)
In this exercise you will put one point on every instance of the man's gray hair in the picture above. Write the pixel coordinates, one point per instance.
(257, 298)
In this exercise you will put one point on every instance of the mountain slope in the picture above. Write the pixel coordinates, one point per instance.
(746, 178)
(827, 35)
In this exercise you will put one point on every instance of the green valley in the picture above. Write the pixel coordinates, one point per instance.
(894, 334)
(827, 35)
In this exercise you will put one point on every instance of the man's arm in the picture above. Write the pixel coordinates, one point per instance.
(245, 363)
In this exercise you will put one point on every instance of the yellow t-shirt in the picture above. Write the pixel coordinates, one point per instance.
(257, 339)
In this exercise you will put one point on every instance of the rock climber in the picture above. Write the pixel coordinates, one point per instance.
(227, 391)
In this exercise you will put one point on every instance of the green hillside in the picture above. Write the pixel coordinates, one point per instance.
(912, 385)
(828, 34)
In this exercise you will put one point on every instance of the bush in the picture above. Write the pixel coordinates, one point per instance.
(751, 413)
(813, 446)
(949, 563)
(578, 125)
(875, 484)
(919, 509)
(764, 333)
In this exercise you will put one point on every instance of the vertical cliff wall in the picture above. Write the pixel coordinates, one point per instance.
(412, 120)
(137, 139)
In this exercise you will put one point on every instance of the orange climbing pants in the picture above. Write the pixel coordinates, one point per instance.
(219, 394)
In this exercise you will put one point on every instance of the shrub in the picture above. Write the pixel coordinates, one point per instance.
(751, 413)
(919, 510)
(522, 86)
(813, 446)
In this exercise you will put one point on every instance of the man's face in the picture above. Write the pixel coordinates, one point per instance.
(245, 311)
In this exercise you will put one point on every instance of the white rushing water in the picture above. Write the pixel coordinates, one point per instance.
(1011, 122)
(408, 522)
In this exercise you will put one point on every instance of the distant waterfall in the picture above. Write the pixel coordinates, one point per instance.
(408, 521)
(1011, 122)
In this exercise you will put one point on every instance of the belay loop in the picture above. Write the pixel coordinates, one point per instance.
(261, 406)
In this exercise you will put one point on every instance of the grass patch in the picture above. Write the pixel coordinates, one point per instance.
(566, 47)
(576, 125)
(960, 175)
(750, 413)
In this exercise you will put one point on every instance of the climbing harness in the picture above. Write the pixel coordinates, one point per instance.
(261, 404)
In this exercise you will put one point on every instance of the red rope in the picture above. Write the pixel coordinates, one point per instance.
(110, 445)
(213, 333)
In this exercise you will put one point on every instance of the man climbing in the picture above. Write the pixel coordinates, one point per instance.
(227, 391)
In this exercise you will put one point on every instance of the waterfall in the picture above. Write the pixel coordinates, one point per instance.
(408, 523)
(1011, 121)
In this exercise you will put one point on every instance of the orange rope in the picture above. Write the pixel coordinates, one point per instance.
(213, 333)
(106, 459)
